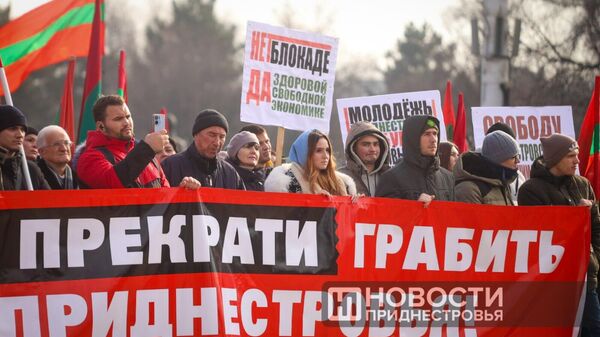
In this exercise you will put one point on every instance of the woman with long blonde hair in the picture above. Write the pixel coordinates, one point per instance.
(312, 169)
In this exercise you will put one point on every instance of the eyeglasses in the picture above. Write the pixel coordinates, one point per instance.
(57, 144)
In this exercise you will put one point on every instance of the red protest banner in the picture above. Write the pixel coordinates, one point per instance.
(171, 262)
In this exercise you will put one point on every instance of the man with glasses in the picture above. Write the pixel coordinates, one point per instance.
(484, 178)
(54, 146)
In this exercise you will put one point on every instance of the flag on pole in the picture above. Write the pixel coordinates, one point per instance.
(460, 133)
(93, 74)
(164, 111)
(589, 140)
(48, 34)
(122, 90)
(67, 110)
(448, 110)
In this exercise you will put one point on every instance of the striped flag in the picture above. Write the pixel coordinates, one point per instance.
(93, 74)
(51, 33)
(67, 110)
(589, 140)
(122, 89)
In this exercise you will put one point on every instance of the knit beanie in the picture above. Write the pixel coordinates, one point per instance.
(556, 147)
(11, 116)
(238, 141)
(207, 118)
(502, 127)
(499, 146)
(430, 123)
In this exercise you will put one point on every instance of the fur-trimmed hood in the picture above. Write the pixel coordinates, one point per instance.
(279, 180)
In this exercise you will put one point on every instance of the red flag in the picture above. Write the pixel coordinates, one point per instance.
(93, 74)
(460, 133)
(164, 112)
(122, 90)
(448, 110)
(589, 140)
(67, 111)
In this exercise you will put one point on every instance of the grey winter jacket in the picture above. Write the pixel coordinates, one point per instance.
(416, 173)
(355, 167)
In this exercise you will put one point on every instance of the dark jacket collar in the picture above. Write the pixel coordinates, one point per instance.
(205, 165)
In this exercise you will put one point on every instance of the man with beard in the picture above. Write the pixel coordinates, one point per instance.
(419, 175)
(113, 159)
(367, 157)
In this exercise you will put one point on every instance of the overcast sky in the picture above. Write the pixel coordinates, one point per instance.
(366, 29)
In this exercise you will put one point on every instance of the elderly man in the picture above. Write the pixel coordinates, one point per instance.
(200, 159)
(54, 146)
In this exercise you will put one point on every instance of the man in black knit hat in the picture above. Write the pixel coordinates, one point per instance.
(12, 133)
(200, 159)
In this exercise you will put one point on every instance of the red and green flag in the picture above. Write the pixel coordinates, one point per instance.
(51, 33)
(460, 133)
(448, 110)
(122, 89)
(92, 88)
(67, 111)
(589, 140)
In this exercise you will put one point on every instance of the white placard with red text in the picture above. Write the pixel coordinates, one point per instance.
(388, 112)
(288, 78)
(529, 123)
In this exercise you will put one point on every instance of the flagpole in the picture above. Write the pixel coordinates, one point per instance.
(9, 101)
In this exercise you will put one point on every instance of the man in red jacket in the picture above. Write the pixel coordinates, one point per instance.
(113, 159)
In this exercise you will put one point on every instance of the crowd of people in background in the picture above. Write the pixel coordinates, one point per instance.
(111, 157)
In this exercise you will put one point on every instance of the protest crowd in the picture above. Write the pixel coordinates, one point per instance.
(113, 158)
(426, 169)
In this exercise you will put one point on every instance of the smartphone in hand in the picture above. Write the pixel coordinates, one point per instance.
(159, 122)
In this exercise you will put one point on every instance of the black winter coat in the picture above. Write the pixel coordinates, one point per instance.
(254, 180)
(11, 173)
(416, 173)
(543, 188)
(210, 172)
